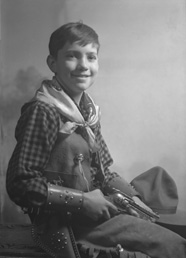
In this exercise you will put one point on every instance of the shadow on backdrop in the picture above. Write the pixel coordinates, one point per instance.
(13, 95)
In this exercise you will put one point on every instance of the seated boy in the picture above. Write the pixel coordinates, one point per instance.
(59, 170)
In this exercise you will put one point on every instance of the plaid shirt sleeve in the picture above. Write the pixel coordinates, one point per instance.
(36, 133)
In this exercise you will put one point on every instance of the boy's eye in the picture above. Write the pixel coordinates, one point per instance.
(92, 57)
(70, 55)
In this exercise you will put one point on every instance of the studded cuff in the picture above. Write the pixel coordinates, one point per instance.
(64, 199)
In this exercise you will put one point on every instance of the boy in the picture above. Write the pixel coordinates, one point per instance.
(59, 169)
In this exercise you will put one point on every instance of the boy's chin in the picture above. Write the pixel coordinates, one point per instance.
(83, 87)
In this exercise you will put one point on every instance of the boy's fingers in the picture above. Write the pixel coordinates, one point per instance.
(133, 212)
(106, 214)
(112, 208)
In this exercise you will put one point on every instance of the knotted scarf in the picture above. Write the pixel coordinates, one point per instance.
(52, 93)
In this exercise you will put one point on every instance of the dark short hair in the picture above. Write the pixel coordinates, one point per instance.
(72, 32)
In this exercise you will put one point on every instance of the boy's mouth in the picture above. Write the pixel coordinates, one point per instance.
(81, 75)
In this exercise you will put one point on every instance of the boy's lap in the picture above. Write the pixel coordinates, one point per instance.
(133, 234)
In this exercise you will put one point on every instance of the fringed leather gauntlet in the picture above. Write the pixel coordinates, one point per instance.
(64, 199)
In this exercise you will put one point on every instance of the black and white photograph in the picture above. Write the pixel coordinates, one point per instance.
(93, 128)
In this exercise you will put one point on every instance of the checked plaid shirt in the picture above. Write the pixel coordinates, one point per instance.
(36, 133)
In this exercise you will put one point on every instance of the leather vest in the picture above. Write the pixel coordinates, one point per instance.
(69, 163)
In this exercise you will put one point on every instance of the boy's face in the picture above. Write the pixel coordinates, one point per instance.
(76, 67)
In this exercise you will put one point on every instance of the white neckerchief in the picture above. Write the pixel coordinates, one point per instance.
(65, 105)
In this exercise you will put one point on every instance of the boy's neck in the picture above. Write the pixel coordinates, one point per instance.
(75, 97)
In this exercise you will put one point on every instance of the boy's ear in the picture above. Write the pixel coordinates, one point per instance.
(51, 62)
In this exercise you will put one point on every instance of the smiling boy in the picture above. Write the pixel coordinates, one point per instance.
(59, 169)
(76, 67)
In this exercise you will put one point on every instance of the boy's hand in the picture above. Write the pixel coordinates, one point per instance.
(95, 206)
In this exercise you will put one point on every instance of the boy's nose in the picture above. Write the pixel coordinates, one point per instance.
(82, 64)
